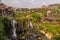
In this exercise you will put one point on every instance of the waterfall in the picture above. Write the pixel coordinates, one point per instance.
(30, 25)
(14, 35)
(32, 34)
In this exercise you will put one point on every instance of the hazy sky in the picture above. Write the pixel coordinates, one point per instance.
(29, 3)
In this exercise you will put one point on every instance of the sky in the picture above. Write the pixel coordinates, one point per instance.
(29, 3)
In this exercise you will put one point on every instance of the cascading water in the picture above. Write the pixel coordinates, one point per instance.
(14, 35)
(32, 34)
(30, 25)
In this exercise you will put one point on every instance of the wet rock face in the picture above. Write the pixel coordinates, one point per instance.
(21, 28)
(8, 31)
